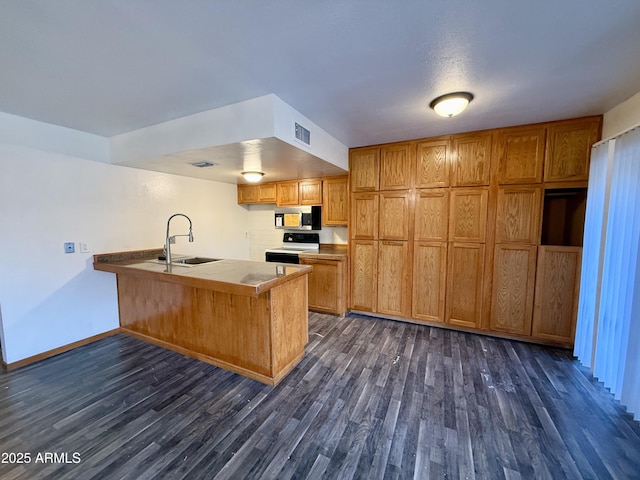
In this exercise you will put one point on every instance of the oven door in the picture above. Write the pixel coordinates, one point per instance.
(281, 257)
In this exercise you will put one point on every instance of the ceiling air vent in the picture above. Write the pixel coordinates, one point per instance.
(303, 134)
(203, 164)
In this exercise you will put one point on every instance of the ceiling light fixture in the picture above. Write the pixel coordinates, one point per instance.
(451, 104)
(252, 177)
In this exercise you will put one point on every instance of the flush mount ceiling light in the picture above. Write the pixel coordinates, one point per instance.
(451, 104)
(252, 177)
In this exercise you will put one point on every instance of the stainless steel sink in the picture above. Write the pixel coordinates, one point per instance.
(187, 261)
(195, 260)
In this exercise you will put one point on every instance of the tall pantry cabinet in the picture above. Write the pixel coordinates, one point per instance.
(480, 231)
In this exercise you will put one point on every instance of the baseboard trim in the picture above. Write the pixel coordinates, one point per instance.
(57, 351)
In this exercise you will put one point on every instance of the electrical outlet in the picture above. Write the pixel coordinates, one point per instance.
(69, 247)
(84, 248)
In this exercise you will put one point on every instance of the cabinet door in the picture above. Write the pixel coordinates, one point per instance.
(310, 192)
(432, 215)
(247, 194)
(364, 216)
(395, 167)
(394, 277)
(335, 201)
(471, 155)
(364, 169)
(514, 273)
(267, 193)
(287, 193)
(518, 215)
(364, 275)
(569, 149)
(394, 215)
(468, 218)
(520, 154)
(433, 159)
(429, 280)
(325, 293)
(464, 284)
(556, 296)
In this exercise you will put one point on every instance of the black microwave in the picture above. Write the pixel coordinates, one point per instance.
(299, 218)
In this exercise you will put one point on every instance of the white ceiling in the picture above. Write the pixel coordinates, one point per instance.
(363, 71)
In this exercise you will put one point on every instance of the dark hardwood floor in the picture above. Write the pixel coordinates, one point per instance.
(371, 399)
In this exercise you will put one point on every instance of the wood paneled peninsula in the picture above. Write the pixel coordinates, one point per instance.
(247, 317)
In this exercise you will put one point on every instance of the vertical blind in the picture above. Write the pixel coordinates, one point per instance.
(608, 329)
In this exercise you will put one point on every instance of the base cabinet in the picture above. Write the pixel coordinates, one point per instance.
(514, 273)
(556, 296)
(327, 285)
(394, 278)
(464, 284)
(429, 281)
(364, 275)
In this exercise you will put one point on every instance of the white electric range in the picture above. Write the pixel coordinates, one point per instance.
(292, 245)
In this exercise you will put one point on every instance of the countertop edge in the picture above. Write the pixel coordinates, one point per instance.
(129, 268)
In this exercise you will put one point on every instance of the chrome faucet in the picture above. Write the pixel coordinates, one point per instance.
(172, 239)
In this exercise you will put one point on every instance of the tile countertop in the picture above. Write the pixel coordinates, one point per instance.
(242, 277)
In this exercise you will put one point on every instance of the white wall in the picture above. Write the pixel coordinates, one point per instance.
(48, 298)
(621, 117)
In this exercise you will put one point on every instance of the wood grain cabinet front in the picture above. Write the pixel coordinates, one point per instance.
(335, 201)
(465, 274)
(327, 285)
(364, 216)
(518, 215)
(429, 281)
(569, 149)
(396, 167)
(519, 152)
(310, 192)
(364, 275)
(556, 294)
(433, 162)
(514, 273)
(431, 220)
(394, 215)
(394, 278)
(364, 169)
(471, 159)
(468, 214)
(287, 193)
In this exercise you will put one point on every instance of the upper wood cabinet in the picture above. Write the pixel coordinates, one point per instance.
(364, 274)
(468, 214)
(464, 284)
(396, 167)
(364, 168)
(569, 149)
(556, 295)
(364, 216)
(394, 215)
(433, 160)
(514, 273)
(394, 278)
(287, 193)
(310, 192)
(261, 193)
(518, 216)
(471, 159)
(429, 281)
(519, 153)
(431, 215)
(335, 201)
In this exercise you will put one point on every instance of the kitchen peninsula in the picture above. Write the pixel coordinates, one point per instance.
(247, 317)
